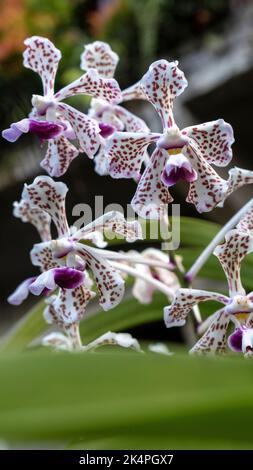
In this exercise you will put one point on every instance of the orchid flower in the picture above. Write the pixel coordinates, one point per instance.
(186, 154)
(112, 117)
(54, 121)
(237, 306)
(64, 262)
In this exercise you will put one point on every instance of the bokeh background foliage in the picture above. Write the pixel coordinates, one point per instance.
(115, 398)
(126, 400)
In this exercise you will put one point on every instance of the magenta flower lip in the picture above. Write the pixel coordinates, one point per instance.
(235, 340)
(45, 130)
(106, 129)
(68, 278)
(178, 168)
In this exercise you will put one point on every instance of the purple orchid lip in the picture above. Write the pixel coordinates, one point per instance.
(45, 129)
(235, 340)
(106, 129)
(68, 278)
(178, 168)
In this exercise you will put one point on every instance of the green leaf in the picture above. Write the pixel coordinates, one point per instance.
(127, 315)
(127, 400)
(28, 328)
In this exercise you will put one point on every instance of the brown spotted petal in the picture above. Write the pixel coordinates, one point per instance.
(109, 282)
(209, 189)
(68, 306)
(246, 222)
(134, 92)
(40, 219)
(60, 153)
(86, 129)
(230, 255)
(100, 161)
(213, 140)
(238, 177)
(185, 299)
(92, 84)
(162, 83)
(214, 341)
(152, 195)
(46, 194)
(99, 55)
(125, 152)
(131, 123)
(115, 222)
(42, 57)
(42, 256)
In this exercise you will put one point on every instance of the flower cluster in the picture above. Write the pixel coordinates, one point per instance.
(75, 265)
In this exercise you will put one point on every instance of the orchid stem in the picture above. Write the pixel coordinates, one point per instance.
(201, 260)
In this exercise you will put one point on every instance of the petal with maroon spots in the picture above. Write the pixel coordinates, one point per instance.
(114, 222)
(99, 55)
(161, 84)
(48, 195)
(247, 341)
(42, 256)
(214, 140)
(37, 217)
(60, 153)
(209, 189)
(184, 301)
(101, 162)
(152, 196)
(238, 177)
(68, 306)
(134, 92)
(214, 341)
(109, 282)
(249, 322)
(246, 222)
(86, 130)
(93, 85)
(230, 255)
(42, 57)
(125, 152)
(131, 122)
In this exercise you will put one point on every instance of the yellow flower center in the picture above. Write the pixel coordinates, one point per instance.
(175, 151)
(242, 316)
